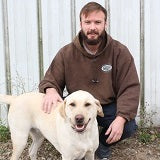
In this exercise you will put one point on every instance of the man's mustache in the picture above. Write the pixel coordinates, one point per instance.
(92, 32)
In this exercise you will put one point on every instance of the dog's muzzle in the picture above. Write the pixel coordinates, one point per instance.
(80, 126)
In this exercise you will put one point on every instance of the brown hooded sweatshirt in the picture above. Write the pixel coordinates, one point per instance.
(110, 75)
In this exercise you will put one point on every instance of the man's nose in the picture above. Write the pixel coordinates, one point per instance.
(92, 26)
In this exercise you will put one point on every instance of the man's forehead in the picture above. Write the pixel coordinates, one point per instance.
(95, 14)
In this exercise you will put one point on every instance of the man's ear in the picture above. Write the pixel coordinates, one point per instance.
(99, 108)
(81, 24)
(106, 25)
(62, 109)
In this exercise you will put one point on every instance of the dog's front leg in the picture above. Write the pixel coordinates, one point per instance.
(65, 158)
(89, 155)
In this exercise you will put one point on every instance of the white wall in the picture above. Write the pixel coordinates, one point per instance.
(152, 55)
(60, 21)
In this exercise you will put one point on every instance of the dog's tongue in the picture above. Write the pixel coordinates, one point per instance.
(79, 127)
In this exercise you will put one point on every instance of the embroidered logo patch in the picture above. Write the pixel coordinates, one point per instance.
(106, 68)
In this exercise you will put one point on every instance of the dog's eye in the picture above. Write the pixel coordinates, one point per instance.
(87, 104)
(72, 104)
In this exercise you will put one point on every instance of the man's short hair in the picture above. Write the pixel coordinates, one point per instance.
(91, 7)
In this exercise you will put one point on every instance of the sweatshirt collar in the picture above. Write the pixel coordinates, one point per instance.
(78, 42)
(88, 51)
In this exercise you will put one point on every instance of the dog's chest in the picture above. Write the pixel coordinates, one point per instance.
(76, 148)
(80, 148)
(79, 154)
(80, 151)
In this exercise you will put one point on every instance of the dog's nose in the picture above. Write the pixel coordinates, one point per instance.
(79, 118)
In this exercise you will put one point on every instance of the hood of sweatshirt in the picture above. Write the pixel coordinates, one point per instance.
(78, 42)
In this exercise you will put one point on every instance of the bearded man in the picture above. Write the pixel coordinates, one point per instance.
(97, 63)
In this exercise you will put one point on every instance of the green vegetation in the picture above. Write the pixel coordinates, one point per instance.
(4, 133)
(148, 135)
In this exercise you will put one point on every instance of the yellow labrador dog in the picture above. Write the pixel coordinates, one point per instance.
(71, 127)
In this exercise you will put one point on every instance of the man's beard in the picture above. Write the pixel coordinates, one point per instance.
(93, 41)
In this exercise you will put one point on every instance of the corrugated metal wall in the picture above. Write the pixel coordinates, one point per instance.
(32, 31)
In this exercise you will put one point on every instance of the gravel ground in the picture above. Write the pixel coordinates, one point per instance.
(130, 149)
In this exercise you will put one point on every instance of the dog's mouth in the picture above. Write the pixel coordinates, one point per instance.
(80, 127)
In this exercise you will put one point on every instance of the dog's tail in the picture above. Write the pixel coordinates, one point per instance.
(6, 98)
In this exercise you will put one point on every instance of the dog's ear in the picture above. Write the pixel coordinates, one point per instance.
(62, 109)
(99, 108)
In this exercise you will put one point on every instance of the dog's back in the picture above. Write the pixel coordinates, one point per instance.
(8, 99)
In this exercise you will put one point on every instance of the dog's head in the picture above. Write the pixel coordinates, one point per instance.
(81, 109)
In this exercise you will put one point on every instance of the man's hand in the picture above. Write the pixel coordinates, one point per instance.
(50, 100)
(115, 130)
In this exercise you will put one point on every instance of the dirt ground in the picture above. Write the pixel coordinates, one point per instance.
(130, 149)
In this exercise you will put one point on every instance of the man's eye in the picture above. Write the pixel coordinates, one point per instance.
(72, 104)
(98, 22)
(87, 22)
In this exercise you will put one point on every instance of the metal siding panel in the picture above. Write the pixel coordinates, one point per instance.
(73, 18)
(40, 39)
(3, 108)
(107, 6)
(22, 17)
(125, 26)
(2, 54)
(6, 47)
(152, 65)
(142, 54)
(56, 24)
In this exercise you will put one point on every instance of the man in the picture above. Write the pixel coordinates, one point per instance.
(96, 63)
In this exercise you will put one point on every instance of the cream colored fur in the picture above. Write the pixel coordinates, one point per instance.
(26, 117)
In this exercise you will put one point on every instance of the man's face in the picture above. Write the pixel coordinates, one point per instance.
(93, 27)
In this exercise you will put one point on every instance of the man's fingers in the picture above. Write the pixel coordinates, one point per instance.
(50, 101)
(47, 106)
(113, 138)
(108, 131)
(50, 106)
(44, 104)
(109, 139)
(60, 99)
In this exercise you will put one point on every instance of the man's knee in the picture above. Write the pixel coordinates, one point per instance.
(129, 129)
